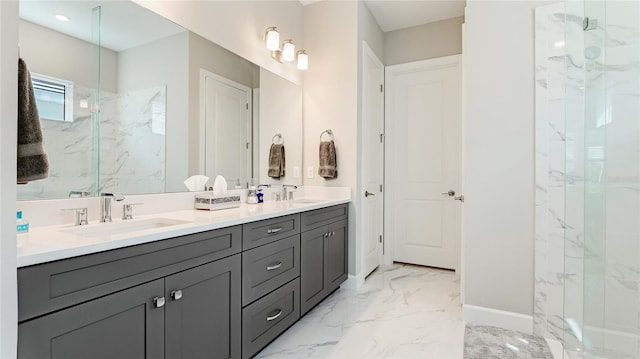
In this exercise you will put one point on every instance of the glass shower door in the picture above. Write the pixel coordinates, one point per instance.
(602, 186)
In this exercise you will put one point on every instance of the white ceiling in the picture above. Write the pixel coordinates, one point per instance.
(399, 14)
(124, 24)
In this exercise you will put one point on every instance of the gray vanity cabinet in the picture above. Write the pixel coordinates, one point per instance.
(181, 299)
(202, 314)
(323, 254)
(125, 324)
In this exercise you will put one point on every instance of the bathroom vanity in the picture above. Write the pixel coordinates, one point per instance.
(219, 293)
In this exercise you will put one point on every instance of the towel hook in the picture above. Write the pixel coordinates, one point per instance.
(277, 135)
(328, 132)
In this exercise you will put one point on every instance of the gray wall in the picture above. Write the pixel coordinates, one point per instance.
(436, 39)
(52, 53)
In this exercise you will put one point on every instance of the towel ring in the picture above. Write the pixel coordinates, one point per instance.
(277, 135)
(328, 132)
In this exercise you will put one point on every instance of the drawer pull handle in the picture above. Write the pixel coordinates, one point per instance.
(158, 302)
(275, 266)
(176, 294)
(275, 316)
(274, 230)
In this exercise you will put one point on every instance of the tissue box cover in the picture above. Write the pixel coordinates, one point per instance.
(211, 202)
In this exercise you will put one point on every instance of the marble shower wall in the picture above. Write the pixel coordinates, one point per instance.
(550, 171)
(587, 178)
(132, 147)
(132, 155)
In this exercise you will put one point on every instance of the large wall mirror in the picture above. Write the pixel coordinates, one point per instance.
(132, 103)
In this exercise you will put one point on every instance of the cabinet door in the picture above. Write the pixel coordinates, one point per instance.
(336, 260)
(312, 268)
(125, 324)
(203, 311)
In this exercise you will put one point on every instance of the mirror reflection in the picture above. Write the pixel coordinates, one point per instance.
(151, 105)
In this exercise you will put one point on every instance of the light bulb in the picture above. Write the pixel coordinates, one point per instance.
(303, 60)
(288, 50)
(272, 39)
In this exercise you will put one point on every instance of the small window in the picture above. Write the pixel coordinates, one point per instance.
(54, 97)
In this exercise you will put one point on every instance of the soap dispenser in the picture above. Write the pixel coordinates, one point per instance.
(252, 197)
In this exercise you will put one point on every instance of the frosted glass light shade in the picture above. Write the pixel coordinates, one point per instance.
(272, 39)
(303, 60)
(288, 51)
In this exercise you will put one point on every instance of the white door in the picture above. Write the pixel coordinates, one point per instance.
(424, 164)
(227, 129)
(372, 158)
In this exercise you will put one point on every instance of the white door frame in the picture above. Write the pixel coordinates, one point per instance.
(202, 135)
(364, 129)
(388, 253)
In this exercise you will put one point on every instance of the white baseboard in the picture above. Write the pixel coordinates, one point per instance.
(353, 281)
(497, 318)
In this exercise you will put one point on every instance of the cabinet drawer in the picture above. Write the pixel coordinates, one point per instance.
(267, 267)
(270, 230)
(323, 216)
(52, 286)
(267, 318)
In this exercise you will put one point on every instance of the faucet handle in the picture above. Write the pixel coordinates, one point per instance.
(82, 215)
(127, 210)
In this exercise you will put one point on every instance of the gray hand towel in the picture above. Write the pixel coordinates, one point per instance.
(32, 160)
(328, 165)
(276, 161)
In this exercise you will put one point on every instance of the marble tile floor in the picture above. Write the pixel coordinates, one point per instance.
(402, 311)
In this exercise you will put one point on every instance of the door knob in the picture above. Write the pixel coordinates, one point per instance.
(451, 193)
(459, 198)
(367, 194)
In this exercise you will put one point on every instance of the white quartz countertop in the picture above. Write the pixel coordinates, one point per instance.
(46, 244)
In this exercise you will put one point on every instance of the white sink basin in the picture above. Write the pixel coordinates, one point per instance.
(307, 200)
(114, 228)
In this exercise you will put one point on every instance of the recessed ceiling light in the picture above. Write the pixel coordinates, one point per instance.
(559, 44)
(62, 17)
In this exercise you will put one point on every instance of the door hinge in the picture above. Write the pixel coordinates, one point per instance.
(381, 88)
(381, 238)
(380, 188)
(248, 144)
(247, 106)
(381, 137)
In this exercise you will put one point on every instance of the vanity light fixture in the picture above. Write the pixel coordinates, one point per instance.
(62, 18)
(303, 60)
(288, 50)
(272, 38)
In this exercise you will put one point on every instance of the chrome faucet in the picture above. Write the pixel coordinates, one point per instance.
(105, 205)
(284, 191)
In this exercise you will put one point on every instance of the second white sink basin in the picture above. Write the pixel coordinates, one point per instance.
(114, 228)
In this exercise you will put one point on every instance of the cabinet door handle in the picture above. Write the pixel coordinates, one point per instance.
(275, 316)
(326, 235)
(176, 294)
(274, 230)
(158, 302)
(274, 266)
